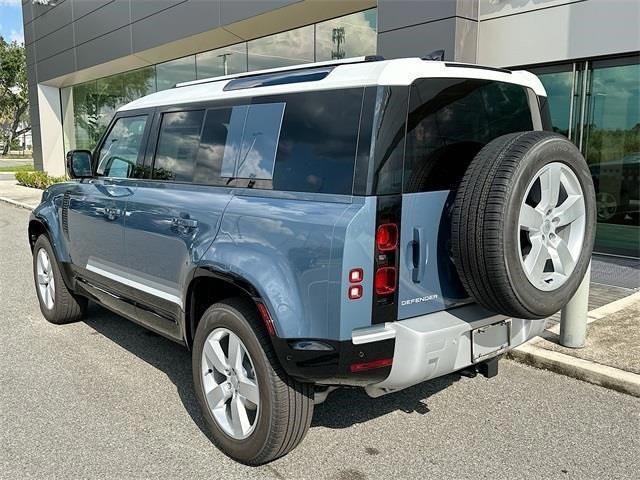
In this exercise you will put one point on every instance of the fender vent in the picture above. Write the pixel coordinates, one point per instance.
(65, 213)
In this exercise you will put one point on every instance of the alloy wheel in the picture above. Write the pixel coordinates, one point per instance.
(45, 280)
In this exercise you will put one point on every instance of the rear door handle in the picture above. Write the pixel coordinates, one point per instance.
(419, 254)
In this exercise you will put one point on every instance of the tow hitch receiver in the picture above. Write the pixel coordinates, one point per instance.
(488, 368)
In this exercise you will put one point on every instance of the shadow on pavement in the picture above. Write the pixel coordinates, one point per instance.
(175, 361)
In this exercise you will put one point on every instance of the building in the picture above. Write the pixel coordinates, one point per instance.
(88, 57)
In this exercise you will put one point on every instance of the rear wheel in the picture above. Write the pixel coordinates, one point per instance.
(254, 410)
(523, 224)
(57, 304)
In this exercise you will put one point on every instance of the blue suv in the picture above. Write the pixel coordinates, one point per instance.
(363, 223)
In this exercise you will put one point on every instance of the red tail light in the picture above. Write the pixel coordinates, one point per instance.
(385, 280)
(355, 292)
(266, 318)
(360, 367)
(387, 237)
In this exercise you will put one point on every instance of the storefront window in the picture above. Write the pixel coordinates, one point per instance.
(175, 71)
(604, 122)
(282, 49)
(223, 61)
(350, 36)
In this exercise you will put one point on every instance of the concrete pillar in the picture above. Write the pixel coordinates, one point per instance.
(573, 318)
(51, 140)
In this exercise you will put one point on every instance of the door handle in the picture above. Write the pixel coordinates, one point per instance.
(112, 213)
(184, 224)
(419, 254)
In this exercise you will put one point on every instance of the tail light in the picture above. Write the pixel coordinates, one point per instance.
(385, 280)
(361, 367)
(266, 318)
(387, 237)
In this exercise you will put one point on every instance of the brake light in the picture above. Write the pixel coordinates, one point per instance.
(361, 367)
(385, 280)
(387, 237)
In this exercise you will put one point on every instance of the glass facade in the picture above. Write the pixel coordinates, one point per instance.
(597, 105)
(89, 107)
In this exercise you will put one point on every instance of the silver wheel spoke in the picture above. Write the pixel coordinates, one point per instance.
(536, 259)
(239, 418)
(249, 390)
(52, 290)
(563, 261)
(235, 352)
(215, 356)
(570, 210)
(550, 185)
(42, 278)
(530, 218)
(217, 396)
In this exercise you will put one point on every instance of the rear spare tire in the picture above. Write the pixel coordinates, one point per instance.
(523, 224)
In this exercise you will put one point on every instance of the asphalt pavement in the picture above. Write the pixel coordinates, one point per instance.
(105, 398)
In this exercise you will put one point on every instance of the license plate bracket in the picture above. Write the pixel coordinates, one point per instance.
(490, 340)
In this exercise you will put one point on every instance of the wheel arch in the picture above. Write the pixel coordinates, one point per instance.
(208, 286)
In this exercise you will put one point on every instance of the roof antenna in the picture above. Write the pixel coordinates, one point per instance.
(436, 55)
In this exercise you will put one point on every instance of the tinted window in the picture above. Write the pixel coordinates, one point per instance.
(212, 146)
(177, 145)
(450, 120)
(252, 140)
(119, 153)
(318, 142)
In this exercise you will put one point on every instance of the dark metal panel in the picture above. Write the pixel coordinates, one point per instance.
(27, 12)
(32, 77)
(52, 20)
(83, 7)
(104, 20)
(234, 10)
(55, 66)
(143, 8)
(105, 48)
(54, 43)
(182, 20)
(394, 14)
(433, 36)
(28, 33)
(30, 52)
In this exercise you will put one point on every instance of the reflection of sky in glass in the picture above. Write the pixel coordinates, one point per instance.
(558, 87)
(615, 97)
(212, 63)
(282, 49)
(357, 37)
(175, 71)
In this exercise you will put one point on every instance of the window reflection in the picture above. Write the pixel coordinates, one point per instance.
(350, 36)
(223, 61)
(175, 71)
(282, 49)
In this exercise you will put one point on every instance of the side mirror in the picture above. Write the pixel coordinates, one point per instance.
(79, 164)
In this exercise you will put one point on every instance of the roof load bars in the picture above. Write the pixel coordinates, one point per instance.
(278, 78)
(436, 56)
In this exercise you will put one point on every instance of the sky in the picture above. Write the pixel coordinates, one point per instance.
(11, 20)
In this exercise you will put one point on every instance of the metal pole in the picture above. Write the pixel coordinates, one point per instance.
(573, 318)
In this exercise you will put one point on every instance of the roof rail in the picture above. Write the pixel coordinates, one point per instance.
(329, 63)
(473, 65)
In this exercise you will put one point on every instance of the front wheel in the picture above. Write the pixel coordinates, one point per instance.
(254, 410)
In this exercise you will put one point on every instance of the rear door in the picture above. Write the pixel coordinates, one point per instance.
(449, 121)
(173, 215)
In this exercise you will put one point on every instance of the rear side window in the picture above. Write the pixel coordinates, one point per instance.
(318, 142)
(450, 120)
(177, 145)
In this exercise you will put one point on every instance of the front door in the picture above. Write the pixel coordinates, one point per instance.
(96, 212)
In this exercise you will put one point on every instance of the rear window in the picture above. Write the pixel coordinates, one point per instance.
(450, 120)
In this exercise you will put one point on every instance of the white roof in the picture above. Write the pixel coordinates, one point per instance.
(354, 72)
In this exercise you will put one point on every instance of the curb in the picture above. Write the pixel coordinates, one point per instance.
(608, 377)
(16, 203)
(585, 370)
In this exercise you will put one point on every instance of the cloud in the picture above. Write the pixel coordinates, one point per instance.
(10, 3)
(16, 36)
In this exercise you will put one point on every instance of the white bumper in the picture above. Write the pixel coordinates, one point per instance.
(437, 344)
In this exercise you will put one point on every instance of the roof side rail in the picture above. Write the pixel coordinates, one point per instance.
(473, 65)
(436, 56)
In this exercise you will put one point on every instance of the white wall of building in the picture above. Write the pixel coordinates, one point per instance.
(521, 32)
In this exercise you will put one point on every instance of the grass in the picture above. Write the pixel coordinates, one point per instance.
(37, 179)
(17, 168)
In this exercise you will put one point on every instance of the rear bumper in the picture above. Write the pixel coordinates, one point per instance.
(437, 344)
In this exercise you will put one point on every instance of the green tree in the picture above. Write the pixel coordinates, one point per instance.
(14, 96)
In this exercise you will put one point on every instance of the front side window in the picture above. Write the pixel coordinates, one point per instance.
(450, 120)
(119, 154)
(178, 145)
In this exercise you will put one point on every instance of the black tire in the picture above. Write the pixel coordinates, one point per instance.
(485, 230)
(67, 307)
(286, 405)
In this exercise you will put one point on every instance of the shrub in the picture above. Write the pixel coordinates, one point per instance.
(37, 179)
